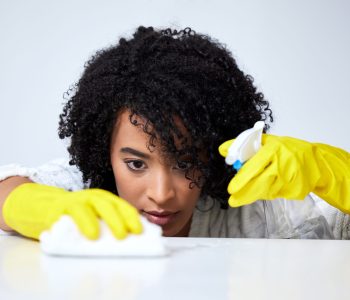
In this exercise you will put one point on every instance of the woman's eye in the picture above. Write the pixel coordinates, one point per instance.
(183, 165)
(135, 165)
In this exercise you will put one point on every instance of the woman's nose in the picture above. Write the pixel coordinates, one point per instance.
(161, 188)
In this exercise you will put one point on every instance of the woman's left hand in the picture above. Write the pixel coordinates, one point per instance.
(290, 168)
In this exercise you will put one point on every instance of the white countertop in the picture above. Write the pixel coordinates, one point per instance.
(195, 269)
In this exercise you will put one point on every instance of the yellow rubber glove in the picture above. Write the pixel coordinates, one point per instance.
(32, 208)
(289, 168)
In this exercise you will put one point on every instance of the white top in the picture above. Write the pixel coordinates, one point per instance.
(311, 218)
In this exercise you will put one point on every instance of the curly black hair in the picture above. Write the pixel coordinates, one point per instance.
(157, 75)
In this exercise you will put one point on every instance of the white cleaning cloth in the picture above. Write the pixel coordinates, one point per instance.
(65, 239)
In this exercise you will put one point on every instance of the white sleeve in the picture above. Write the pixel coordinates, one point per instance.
(55, 173)
(339, 221)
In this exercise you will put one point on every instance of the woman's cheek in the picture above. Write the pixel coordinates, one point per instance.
(130, 189)
(187, 194)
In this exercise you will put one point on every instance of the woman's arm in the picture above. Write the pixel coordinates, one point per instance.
(6, 187)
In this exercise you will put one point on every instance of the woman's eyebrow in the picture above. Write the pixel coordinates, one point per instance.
(134, 152)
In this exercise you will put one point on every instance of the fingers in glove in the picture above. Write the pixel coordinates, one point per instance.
(223, 148)
(120, 216)
(108, 212)
(265, 186)
(130, 215)
(86, 220)
(252, 169)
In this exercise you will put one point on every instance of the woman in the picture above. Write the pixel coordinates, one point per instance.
(145, 122)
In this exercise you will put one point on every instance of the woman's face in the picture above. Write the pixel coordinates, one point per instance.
(156, 186)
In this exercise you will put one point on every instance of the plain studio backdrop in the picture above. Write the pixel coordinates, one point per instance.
(297, 52)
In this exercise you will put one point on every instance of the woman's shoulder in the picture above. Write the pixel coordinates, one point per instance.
(210, 220)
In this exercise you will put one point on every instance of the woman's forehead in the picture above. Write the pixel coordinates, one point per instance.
(130, 128)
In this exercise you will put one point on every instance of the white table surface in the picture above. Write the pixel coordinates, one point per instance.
(195, 269)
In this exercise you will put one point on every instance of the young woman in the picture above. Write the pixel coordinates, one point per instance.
(145, 122)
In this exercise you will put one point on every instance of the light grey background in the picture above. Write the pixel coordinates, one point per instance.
(297, 51)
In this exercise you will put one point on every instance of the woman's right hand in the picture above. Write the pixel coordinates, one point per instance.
(32, 208)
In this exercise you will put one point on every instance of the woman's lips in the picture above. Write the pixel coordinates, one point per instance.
(159, 218)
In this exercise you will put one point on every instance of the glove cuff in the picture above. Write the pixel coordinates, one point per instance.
(26, 208)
